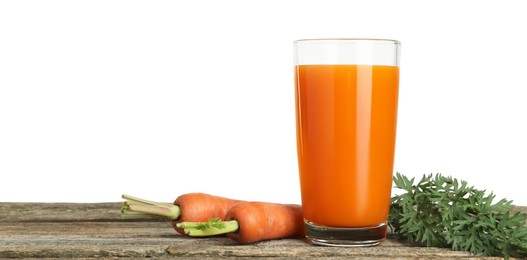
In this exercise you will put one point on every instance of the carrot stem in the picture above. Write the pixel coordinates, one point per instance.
(211, 228)
(136, 208)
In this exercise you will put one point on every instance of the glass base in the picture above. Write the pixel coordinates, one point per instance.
(345, 237)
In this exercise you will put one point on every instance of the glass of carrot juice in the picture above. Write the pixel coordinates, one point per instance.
(346, 93)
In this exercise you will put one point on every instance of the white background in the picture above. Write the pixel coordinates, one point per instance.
(159, 98)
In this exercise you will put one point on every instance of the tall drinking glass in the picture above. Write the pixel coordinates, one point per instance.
(346, 117)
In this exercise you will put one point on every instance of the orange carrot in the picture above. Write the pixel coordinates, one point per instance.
(264, 221)
(249, 222)
(188, 207)
(198, 207)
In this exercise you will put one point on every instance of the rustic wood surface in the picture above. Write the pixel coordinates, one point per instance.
(72, 230)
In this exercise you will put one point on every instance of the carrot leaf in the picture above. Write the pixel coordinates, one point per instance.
(442, 211)
(212, 223)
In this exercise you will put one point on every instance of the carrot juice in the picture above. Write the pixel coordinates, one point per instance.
(346, 118)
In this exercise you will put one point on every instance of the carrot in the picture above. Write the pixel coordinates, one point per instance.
(250, 222)
(188, 207)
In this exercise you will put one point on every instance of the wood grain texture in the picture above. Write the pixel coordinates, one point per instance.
(71, 230)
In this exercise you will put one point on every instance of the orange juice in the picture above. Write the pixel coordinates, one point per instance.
(346, 123)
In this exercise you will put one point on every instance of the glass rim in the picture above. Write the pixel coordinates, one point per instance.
(347, 40)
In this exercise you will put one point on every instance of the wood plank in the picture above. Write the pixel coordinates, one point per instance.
(20, 212)
(68, 230)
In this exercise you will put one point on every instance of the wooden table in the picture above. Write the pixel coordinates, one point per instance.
(71, 230)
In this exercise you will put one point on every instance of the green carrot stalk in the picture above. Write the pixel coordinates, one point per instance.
(135, 208)
(213, 227)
